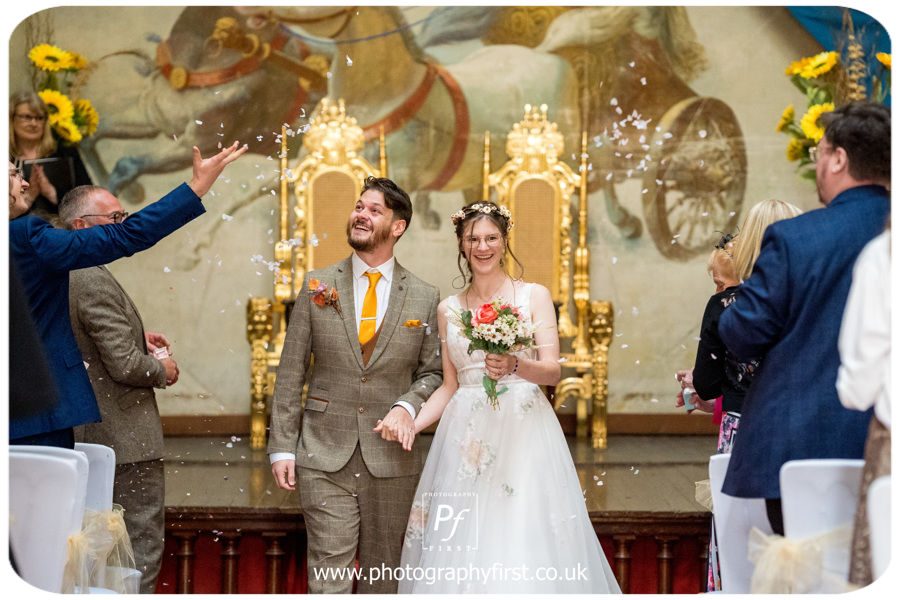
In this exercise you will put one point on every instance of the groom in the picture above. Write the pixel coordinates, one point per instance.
(372, 327)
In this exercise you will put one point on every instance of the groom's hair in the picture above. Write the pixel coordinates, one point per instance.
(394, 197)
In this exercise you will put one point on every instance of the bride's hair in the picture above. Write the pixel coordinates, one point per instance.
(464, 220)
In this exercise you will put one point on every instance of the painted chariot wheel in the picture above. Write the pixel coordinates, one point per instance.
(696, 190)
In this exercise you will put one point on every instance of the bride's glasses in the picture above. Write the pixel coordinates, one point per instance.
(491, 240)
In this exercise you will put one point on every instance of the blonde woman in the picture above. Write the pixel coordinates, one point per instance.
(30, 138)
(717, 372)
(755, 222)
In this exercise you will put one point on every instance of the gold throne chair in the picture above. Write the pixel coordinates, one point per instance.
(317, 197)
(538, 189)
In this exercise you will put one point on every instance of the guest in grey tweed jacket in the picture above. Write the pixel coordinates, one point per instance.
(356, 484)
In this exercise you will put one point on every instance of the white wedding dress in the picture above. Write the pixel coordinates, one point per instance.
(499, 508)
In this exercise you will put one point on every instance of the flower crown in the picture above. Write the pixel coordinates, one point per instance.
(483, 208)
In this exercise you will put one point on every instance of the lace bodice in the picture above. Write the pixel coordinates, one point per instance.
(470, 368)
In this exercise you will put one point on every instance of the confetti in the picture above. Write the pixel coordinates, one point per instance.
(199, 122)
(614, 259)
(167, 270)
(349, 62)
(226, 217)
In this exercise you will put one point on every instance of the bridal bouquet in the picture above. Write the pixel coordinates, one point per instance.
(496, 328)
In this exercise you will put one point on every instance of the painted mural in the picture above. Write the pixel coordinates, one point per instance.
(680, 142)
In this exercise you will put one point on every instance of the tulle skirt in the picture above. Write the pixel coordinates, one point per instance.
(499, 507)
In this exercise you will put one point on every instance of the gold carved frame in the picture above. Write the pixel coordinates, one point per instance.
(534, 146)
(332, 165)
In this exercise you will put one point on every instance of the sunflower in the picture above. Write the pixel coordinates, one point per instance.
(77, 61)
(68, 131)
(50, 58)
(810, 121)
(85, 118)
(796, 150)
(797, 67)
(819, 65)
(885, 59)
(787, 117)
(59, 107)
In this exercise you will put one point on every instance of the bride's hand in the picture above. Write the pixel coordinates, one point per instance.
(499, 365)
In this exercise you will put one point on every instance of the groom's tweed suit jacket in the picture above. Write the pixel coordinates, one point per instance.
(347, 396)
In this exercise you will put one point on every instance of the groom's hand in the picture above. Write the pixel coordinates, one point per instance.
(284, 471)
(397, 426)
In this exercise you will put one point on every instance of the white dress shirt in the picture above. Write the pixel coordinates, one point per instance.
(864, 377)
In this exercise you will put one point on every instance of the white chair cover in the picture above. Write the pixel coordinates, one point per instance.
(109, 557)
(818, 501)
(45, 510)
(101, 475)
(879, 508)
(734, 518)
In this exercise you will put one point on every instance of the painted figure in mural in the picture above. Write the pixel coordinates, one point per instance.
(376, 362)
(629, 66)
(211, 79)
(490, 470)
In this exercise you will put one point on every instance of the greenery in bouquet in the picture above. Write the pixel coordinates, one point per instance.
(59, 76)
(829, 80)
(496, 328)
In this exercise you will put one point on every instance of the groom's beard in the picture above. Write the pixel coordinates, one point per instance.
(375, 239)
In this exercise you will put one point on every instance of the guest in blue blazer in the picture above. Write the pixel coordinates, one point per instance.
(789, 311)
(45, 255)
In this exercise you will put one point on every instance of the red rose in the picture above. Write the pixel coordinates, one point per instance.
(485, 314)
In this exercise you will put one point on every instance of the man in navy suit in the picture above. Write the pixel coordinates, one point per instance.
(789, 311)
(45, 255)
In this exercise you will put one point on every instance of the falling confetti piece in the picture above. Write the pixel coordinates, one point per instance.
(654, 400)
(599, 483)
(349, 62)
(199, 122)
(634, 311)
(226, 217)
(636, 471)
(167, 270)
(614, 259)
(624, 345)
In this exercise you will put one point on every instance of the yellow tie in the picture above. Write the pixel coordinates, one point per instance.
(370, 310)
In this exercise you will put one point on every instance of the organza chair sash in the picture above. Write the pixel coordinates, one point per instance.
(787, 566)
(703, 494)
(102, 542)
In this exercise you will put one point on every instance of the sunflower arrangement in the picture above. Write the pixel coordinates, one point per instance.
(71, 118)
(828, 81)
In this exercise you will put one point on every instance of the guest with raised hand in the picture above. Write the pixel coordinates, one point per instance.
(44, 256)
(864, 381)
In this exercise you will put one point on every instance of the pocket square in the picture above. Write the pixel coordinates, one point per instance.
(413, 323)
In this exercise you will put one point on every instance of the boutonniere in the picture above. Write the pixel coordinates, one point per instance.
(413, 323)
(322, 296)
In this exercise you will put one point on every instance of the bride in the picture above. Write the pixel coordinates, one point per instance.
(499, 508)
